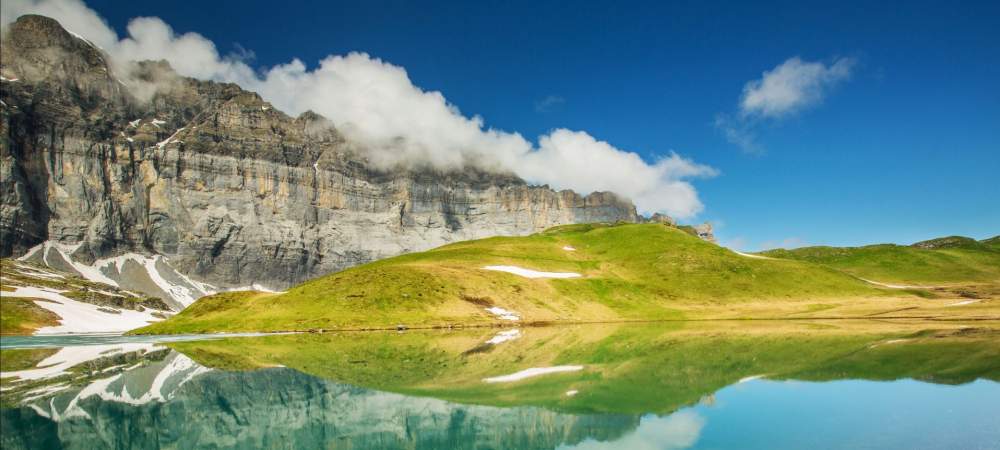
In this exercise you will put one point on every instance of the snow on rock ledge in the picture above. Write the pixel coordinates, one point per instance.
(80, 317)
(152, 275)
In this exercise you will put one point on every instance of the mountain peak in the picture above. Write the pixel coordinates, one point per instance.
(39, 31)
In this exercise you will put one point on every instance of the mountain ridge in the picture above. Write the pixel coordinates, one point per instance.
(217, 180)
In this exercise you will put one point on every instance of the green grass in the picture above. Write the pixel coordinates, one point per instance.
(952, 357)
(938, 261)
(21, 316)
(627, 368)
(13, 359)
(630, 272)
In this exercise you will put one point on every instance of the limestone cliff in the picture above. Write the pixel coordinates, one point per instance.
(229, 189)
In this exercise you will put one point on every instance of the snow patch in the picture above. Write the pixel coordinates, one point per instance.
(170, 139)
(750, 378)
(504, 336)
(184, 291)
(532, 372)
(68, 357)
(37, 272)
(183, 294)
(45, 391)
(889, 342)
(528, 273)
(31, 252)
(569, 248)
(121, 387)
(254, 287)
(896, 286)
(76, 35)
(80, 317)
(750, 255)
(964, 302)
(503, 313)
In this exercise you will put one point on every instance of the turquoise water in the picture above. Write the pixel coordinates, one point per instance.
(840, 393)
(64, 340)
(761, 414)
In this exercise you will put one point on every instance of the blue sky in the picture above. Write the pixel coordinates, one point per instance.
(905, 147)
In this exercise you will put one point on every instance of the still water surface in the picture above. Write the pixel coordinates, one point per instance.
(711, 386)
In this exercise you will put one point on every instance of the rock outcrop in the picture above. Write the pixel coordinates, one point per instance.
(230, 190)
(705, 232)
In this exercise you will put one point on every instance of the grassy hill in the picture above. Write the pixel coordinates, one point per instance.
(628, 272)
(948, 260)
(993, 242)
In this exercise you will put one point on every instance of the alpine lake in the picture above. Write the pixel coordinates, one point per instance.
(844, 384)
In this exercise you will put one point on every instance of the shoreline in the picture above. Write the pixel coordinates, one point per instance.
(543, 324)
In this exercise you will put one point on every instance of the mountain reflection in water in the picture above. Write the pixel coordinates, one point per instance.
(638, 387)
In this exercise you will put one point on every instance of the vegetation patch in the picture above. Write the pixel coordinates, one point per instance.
(948, 260)
(21, 316)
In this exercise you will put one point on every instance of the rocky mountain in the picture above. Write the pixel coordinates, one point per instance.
(111, 160)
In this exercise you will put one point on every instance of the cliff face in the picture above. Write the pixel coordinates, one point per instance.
(230, 190)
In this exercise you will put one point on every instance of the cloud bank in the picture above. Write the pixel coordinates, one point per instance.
(786, 90)
(375, 104)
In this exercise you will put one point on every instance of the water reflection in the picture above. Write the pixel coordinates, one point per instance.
(710, 386)
(172, 402)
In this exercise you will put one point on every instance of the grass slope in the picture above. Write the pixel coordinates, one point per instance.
(947, 260)
(630, 272)
(22, 316)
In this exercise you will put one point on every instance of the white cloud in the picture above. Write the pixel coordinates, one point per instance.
(739, 133)
(789, 88)
(792, 86)
(549, 103)
(73, 15)
(376, 105)
(575, 160)
(677, 431)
